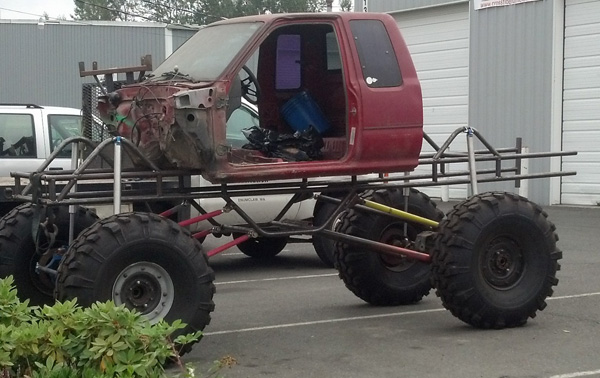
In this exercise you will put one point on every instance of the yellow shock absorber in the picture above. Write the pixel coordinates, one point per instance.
(400, 214)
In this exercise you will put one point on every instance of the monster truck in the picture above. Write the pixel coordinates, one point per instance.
(337, 95)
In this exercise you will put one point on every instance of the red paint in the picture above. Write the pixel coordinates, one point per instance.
(380, 129)
(200, 218)
(226, 246)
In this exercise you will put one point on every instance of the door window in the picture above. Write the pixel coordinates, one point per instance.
(17, 138)
(63, 127)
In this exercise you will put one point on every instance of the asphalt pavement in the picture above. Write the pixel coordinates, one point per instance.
(293, 317)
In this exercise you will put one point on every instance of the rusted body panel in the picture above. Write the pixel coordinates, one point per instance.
(181, 122)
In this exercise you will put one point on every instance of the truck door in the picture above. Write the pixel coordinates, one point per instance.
(391, 111)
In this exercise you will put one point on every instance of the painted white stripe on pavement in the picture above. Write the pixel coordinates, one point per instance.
(574, 296)
(577, 374)
(277, 279)
(339, 320)
(326, 321)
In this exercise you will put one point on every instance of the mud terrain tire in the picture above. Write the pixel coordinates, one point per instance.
(18, 256)
(142, 260)
(495, 260)
(375, 278)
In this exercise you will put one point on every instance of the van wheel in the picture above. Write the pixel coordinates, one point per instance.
(19, 255)
(145, 262)
(381, 279)
(261, 248)
(325, 247)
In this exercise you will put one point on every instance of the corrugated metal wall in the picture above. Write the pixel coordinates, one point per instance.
(40, 65)
(581, 102)
(396, 5)
(510, 80)
(438, 41)
(510, 76)
(179, 36)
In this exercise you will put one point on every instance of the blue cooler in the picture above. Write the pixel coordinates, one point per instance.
(301, 111)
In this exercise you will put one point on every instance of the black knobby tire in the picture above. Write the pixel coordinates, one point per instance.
(379, 279)
(324, 247)
(495, 260)
(18, 256)
(142, 260)
(261, 248)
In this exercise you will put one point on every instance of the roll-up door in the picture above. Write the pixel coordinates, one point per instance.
(438, 40)
(581, 102)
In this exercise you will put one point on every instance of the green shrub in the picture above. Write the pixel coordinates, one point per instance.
(67, 341)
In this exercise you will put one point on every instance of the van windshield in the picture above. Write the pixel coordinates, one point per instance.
(206, 54)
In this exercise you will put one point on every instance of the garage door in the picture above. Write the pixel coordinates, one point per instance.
(438, 40)
(581, 102)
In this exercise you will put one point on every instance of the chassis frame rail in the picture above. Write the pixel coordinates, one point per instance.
(53, 188)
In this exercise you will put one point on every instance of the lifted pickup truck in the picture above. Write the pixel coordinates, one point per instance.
(337, 95)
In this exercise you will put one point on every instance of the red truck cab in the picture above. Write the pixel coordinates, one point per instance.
(348, 75)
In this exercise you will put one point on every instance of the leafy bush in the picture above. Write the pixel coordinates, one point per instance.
(67, 341)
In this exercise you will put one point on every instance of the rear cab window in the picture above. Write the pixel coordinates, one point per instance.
(377, 57)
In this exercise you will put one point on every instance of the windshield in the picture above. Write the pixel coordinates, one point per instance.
(206, 54)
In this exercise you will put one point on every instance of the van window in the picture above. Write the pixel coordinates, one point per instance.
(17, 138)
(376, 54)
(63, 127)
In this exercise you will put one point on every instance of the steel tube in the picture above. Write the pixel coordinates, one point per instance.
(117, 177)
(400, 214)
(201, 234)
(200, 218)
(472, 166)
(377, 246)
(73, 208)
(226, 246)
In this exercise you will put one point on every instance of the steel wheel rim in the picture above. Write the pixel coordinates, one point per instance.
(145, 287)
(503, 263)
(395, 236)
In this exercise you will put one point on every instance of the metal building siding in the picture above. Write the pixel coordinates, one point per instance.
(438, 41)
(510, 85)
(581, 102)
(180, 36)
(42, 64)
(396, 5)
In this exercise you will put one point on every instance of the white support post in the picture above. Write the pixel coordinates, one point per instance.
(445, 193)
(73, 208)
(472, 167)
(524, 187)
(117, 177)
